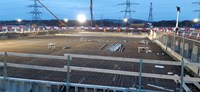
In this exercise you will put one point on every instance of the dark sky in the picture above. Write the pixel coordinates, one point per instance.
(162, 9)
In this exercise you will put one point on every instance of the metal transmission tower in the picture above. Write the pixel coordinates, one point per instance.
(128, 10)
(150, 18)
(198, 3)
(36, 14)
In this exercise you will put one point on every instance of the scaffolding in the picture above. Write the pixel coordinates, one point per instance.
(11, 84)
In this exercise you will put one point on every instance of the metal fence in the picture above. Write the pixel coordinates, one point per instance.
(183, 45)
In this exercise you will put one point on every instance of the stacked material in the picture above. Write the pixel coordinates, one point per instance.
(145, 42)
(115, 47)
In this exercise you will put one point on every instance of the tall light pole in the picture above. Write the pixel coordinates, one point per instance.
(196, 20)
(176, 28)
(177, 17)
(125, 21)
(19, 20)
(81, 18)
(66, 20)
(182, 64)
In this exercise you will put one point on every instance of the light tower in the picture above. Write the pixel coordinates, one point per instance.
(150, 18)
(128, 10)
(36, 14)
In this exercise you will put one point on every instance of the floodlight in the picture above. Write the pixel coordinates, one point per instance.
(81, 18)
(125, 20)
(66, 20)
(19, 20)
(196, 20)
(178, 9)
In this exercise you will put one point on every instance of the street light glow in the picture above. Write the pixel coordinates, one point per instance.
(196, 20)
(66, 20)
(125, 20)
(81, 18)
(19, 20)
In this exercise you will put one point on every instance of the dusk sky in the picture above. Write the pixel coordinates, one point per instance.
(162, 9)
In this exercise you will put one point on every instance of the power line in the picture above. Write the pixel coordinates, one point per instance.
(128, 10)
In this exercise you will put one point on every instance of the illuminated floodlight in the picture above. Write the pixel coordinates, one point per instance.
(66, 20)
(125, 19)
(81, 18)
(19, 20)
(196, 20)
